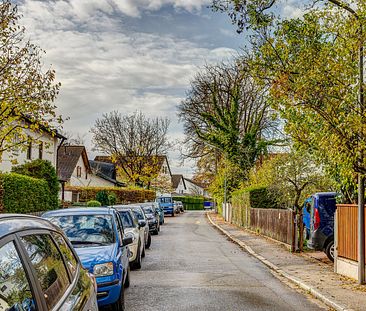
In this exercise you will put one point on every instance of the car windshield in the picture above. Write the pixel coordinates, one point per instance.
(86, 229)
(165, 200)
(148, 210)
(127, 220)
(139, 214)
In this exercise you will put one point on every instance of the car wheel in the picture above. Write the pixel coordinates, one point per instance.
(127, 281)
(156, 232)
(137, 262)
(329, 250)
(148, 241)
(143, 251)
(119, 305)
(173, 214)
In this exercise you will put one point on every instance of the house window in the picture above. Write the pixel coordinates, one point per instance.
(29, 150)
(86, 175)
(78, 171)
(40, 150)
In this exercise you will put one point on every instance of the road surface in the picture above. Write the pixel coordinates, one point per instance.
(191, 266)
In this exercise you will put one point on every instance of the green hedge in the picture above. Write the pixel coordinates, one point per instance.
(191, 203)
(123, 195)
(24, 194)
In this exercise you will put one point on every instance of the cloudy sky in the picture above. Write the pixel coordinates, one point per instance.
(127, 55)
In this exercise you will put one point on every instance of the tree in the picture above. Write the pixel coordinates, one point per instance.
(227, 110)
(162, 184)
(136, 144)
(26, 92)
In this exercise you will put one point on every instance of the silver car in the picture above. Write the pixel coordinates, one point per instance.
(134, 229)
(140, 215)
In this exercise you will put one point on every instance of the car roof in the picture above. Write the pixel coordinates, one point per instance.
(12, 223)
(80, 211)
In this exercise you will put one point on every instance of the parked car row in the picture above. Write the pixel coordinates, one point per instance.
(74, 259)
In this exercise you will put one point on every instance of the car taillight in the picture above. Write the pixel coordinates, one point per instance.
(316, 219)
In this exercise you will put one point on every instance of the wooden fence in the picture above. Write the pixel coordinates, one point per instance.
(347, 239)
(275, 223)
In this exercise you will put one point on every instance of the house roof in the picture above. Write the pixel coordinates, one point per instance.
(106, 171)
(43, 127)
(67, 158)
(195, 183)
(176, 178)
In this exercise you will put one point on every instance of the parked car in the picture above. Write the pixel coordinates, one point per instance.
(166, 202)
(180, 206)
(135, 230)
(161, 212)
(152, 216)
(139, 213)
(318, 218)
(39, 268)
(98, 238)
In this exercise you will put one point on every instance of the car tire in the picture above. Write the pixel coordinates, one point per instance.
(156, 232)
(329, 250)
(143, 251)
(119, 305)
(173, 214)
(148, 241)
(137, 262)
(127, 281)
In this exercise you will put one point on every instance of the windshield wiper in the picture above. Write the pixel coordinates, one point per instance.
(86, 242)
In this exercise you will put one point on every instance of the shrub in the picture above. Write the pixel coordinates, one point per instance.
(112, 198)
(93, 203)
(191, 203)
(41, 169)
(24, 194)
(102, 197)
(123, 195)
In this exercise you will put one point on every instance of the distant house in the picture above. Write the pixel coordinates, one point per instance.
(43, 145)
(75, 170)
(194, 188)
(178, 184)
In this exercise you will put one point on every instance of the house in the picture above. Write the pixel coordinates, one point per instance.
(178, 184)
(75, 170)
(43, 145)
(194, 188)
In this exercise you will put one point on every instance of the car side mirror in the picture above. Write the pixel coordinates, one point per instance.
(126, 241)
(142, 223)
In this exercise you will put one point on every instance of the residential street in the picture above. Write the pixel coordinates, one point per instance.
(191, 266)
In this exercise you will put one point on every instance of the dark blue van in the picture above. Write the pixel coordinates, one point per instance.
(318, 218)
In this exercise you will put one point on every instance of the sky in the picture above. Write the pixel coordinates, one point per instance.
(128, 55)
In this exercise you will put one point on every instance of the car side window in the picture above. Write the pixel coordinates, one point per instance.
(69, 257)
(49, 266)
(15, 293)
(119, 227)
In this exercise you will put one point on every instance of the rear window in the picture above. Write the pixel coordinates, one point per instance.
(87, 229)
(139, 214)
(148, 210)
(165, 200)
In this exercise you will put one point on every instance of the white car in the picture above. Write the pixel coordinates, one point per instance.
(134, 229)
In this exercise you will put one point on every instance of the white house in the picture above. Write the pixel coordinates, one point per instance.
(179, 184)
(185, 186)
(75, 170)
(42, 145)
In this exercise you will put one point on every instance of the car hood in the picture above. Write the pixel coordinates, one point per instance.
(90, 256)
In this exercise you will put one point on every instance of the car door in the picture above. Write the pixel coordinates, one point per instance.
(18, 290)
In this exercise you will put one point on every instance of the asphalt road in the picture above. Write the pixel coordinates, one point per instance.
(191, 266)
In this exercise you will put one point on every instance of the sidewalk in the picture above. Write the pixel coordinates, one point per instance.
(312, 274)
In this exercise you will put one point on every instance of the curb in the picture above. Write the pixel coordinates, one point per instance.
(329, 302)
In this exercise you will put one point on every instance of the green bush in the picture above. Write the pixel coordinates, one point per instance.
(191, 203)
(112, 198)
(41, 169)
(24, 194)
(93, 203)
(102, 197)
(123, 195)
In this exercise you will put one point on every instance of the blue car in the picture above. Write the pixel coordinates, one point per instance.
(318, 219)
(39, 268)
(98, 238)
(167, 203)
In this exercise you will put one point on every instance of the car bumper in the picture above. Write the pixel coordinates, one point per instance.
(317, 240)
(108, 290)
(168, 211)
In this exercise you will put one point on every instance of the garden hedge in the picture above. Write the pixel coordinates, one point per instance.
(123, 195)
(191, 203)
(24, 194)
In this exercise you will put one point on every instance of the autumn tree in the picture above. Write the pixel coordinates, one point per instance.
(225, 109)
(27, 92)
(137, 144)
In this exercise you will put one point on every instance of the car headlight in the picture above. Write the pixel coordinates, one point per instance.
(103, 269)
(130, 235)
